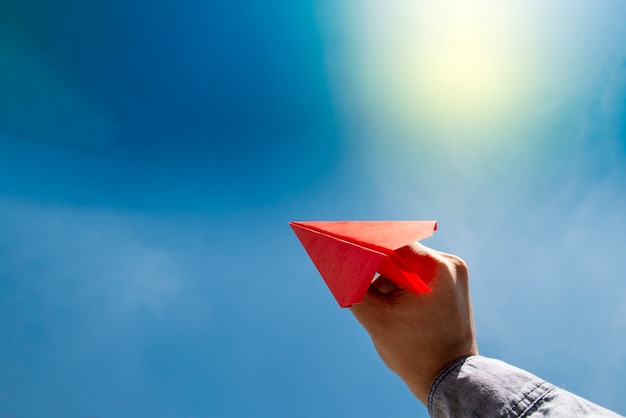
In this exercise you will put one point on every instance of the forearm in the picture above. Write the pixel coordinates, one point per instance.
(480, 386)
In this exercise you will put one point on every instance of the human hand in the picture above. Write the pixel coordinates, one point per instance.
(417, 336)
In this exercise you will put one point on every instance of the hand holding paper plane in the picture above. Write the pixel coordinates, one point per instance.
(349, 254)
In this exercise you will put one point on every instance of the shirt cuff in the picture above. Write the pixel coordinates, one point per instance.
(479, 386)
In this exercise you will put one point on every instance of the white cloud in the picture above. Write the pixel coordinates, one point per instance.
(85, 260)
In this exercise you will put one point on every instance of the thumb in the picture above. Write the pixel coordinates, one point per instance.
(383, 285)
(380, 297)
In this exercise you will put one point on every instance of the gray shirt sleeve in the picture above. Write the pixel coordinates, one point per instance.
(477, 386)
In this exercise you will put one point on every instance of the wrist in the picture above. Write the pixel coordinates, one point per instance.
(420, 386)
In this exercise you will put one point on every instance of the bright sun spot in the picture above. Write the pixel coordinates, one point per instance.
(442, 67)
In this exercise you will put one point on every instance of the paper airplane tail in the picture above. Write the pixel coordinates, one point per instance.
(395, 271)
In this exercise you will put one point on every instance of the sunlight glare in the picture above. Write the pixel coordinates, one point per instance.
(440, 67)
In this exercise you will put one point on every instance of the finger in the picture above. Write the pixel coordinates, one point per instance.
(368, 311)
(421, 260)
(382, 295)
(384, 285)
(369, 307)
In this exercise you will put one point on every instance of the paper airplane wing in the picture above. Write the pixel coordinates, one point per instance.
(381, 235)
(347, 269)
(349, 262)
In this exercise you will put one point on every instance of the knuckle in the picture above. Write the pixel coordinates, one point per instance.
(458, 267)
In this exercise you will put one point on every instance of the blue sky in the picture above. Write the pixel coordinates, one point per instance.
(152, 154)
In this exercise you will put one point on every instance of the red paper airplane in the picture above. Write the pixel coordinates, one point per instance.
(349, 254)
